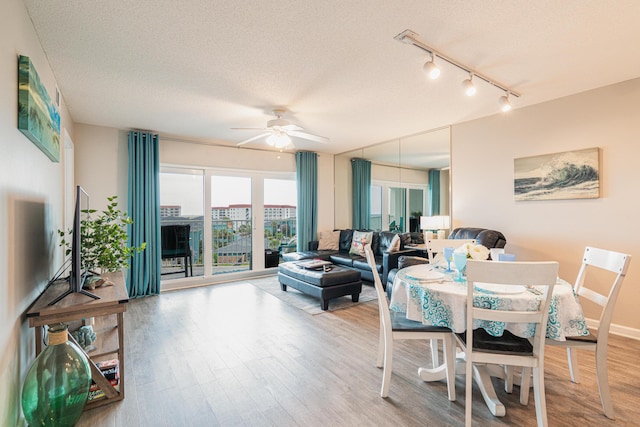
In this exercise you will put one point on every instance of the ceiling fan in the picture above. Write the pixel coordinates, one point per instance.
(279, 132)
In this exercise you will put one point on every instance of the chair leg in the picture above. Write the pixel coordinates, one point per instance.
(572, 356)
(603, 381)
(380, 358)
(539, 395)
(468, 403)
(435, 359)
(508, 380)
(388, 363)
(525, 385)
(450, 364)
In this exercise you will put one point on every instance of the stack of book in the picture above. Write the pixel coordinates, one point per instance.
(110, 370)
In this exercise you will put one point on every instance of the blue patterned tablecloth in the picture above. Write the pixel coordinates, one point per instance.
(443, 303)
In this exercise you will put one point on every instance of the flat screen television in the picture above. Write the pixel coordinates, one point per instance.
(77, 275)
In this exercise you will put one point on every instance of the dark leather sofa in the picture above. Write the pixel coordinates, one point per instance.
(381, 240)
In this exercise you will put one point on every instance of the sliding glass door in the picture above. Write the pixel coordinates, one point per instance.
(280, 209)
(231, 223)
(181, 203)
(250, 219)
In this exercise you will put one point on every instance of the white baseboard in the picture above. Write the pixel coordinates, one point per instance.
(623, 331)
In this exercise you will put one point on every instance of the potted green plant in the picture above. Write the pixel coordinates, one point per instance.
(104, 239)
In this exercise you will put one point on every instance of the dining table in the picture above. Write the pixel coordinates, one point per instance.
(429, 294)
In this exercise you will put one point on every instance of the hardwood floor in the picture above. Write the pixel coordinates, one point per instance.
(233, 355)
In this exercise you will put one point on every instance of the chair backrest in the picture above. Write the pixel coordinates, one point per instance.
(539, 274)
(435, 246)
(615, 262)
(383, 305)
(174, 241)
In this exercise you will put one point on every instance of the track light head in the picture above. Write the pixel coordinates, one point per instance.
(504, 103)
(468, 86)
(431, 69)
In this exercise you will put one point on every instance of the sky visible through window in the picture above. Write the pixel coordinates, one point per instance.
(187, 190)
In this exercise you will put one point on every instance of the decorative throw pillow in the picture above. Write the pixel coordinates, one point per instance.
(360, 239)
(394, 246)
(328, 240)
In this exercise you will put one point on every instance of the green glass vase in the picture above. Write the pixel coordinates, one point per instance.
(57, 384)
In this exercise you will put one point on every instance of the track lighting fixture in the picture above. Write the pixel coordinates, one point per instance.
(431, 69)
(468, 86)
(409, 37)
(504, 103)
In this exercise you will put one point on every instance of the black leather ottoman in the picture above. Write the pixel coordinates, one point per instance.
(338, 282)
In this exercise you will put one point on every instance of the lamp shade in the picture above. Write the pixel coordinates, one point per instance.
(437, 222)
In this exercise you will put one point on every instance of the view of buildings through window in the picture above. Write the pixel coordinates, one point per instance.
(222, 237)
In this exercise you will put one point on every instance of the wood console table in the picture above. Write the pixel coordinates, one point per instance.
(108, 315)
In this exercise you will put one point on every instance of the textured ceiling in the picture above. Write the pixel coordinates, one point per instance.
(197, 68)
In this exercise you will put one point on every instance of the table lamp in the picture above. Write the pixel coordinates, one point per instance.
(436, 223)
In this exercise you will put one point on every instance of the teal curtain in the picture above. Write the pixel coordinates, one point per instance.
(307, 186)
(434, 192)
(144, 208)
(361, 176)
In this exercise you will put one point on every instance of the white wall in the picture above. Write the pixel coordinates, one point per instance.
(483, 152)
(326, 186)
(101, 164)
(31, 209)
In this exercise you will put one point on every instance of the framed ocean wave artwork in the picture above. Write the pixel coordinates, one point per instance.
(567, 175)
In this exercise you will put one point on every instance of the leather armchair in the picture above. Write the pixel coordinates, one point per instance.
(485, 237)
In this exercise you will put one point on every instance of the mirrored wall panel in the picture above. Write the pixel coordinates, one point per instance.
(399, 180)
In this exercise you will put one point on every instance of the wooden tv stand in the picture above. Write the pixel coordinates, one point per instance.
(108, 315)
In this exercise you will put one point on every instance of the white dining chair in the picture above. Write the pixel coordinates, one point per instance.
(436, 246)
(482, 348)
(595, 259)
(395, 326)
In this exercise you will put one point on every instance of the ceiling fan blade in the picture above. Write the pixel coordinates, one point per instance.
(309, 136)
(292, 127)
(253, 138)
(249, 128)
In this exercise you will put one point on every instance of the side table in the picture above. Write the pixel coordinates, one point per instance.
(108, 312)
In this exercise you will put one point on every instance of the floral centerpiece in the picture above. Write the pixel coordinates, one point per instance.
(473, 251)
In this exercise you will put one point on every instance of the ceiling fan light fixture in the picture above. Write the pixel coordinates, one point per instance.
(279, 140)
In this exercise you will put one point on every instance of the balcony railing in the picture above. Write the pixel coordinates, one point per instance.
(231, 243)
